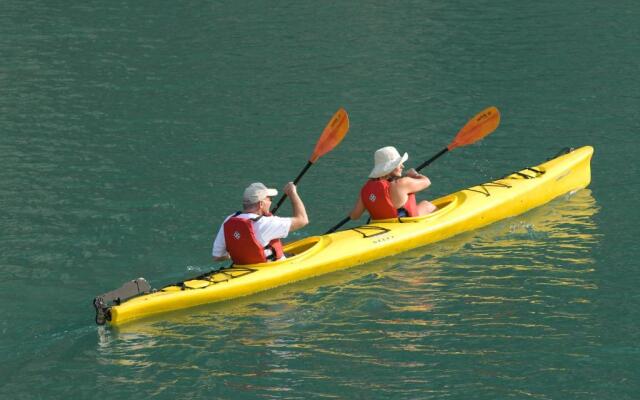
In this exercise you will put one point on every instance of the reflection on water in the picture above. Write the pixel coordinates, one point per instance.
(554, 239)
(479, 296)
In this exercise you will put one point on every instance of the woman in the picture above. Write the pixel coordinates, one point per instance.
(387, 194)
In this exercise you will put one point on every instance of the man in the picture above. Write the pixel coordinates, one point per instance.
(252, 236)
(387, 194)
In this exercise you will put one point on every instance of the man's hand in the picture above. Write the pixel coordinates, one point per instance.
(290, 189)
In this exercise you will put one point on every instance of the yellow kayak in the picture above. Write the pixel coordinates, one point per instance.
(459, 212)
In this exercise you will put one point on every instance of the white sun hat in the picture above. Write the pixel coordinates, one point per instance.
(257, 192)
(386, 160)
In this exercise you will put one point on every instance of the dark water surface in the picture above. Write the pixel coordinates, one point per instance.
(129, 129)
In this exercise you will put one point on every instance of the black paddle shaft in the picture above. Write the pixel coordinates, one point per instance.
(338, 225)
(432, 159)
(295, 182)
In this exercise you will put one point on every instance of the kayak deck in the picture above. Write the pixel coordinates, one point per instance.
(459, 212)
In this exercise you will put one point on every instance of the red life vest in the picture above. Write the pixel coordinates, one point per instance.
(376, 197)
(242, 244)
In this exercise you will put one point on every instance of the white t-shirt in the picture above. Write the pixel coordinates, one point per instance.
(266, 229)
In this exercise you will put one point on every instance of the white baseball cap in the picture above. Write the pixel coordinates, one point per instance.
(386, 160)
(256, 192)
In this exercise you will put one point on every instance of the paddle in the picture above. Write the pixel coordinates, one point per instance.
(475, 129)
(485, 122)
(331, 136)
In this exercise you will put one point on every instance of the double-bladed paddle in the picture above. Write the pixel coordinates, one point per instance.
(478, 127)
(331, 136)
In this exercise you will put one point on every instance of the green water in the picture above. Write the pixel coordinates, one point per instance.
(129, 129)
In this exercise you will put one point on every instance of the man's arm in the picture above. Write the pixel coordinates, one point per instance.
(358, 209)
(299, 218)
(219, 249)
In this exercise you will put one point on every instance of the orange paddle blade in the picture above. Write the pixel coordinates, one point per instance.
(332, 135)
(478, 127)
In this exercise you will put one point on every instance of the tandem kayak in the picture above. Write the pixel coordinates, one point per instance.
(459, 212)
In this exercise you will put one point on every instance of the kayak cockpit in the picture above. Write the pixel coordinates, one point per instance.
(299, 247)
(296, 250)
(443, 204)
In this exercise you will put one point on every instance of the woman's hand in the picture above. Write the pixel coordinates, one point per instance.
(412, 173)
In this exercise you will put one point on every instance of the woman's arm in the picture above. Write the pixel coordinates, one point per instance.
(358, 209)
